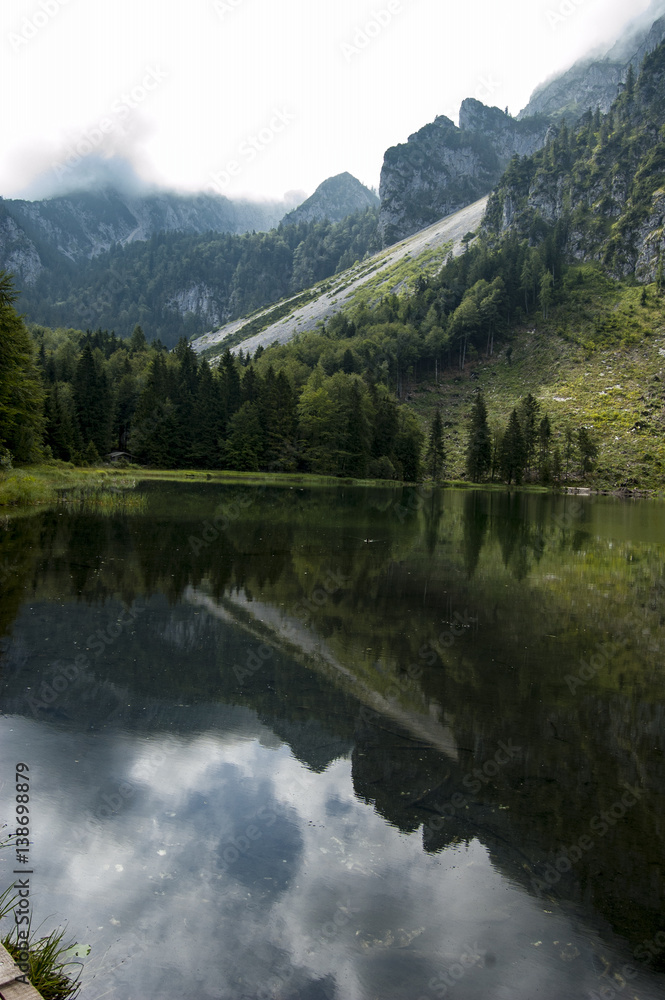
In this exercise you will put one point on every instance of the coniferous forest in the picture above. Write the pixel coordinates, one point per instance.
(327, 404)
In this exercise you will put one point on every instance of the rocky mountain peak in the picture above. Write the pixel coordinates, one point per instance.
(334, 199)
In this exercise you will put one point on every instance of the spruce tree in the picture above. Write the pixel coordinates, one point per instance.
(512, 451)
(92, 402)
(568, 450)
(528, 416)
(479, 448)
(206, 420)
(556, 465)
(21, 390)
(544, 438)
(357, 438)
(588, 450)
(408, 447)
(244, 442)
(230, 384)
(436, 456)
(60, 433)
(546, 293)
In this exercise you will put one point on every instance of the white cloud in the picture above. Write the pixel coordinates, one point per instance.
(227, 68)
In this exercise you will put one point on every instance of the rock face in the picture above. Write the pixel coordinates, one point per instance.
(443, 168)
(336, 198)
(80, 226)
(201, 301)
(595, 83)
(17, 252)
(603, 184)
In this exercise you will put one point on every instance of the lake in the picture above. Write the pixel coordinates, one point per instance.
(340, 742)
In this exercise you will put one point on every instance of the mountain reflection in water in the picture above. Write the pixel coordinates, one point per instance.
(271, 759)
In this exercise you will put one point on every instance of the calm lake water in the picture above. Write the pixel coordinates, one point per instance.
(343, 743)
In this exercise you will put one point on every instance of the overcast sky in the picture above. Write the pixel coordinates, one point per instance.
(262, 97)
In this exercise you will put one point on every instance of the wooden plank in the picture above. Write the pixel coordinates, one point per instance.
(9, 970)
(19, 991)
(10, 987)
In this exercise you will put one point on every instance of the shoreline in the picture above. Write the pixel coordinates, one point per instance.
(39, 485)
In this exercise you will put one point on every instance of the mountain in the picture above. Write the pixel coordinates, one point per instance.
(81, 225)
(443, 168)
(177, 284)
(178, 264)
(601, 183)
(383, 274)
(334, 199)
(593, 83)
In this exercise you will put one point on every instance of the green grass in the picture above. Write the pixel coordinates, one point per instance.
(59, 481)
(48, 965)
(112, 490)
(614, 384)
(49, 958)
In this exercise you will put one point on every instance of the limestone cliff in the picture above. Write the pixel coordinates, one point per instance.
(593, 83)
(443, 168)
(334, 199)
(602, 183)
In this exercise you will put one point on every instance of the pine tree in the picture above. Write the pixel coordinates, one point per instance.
(512, 451)
(92, 402)
(436, 456)
(244, 442)
(21, 389)
(568, 450)
(528, 416)
(556, 465)
(588, 450)
(60, 433)
(206, 420)
(546, 293)
(544, 438)
(479, 448)
(357, 438)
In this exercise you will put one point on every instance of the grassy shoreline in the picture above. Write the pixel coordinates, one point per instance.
(59, 482)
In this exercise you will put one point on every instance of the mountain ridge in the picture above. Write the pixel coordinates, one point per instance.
(334, 199)
(81, 225)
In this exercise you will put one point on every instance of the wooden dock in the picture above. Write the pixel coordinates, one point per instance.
(11, 987)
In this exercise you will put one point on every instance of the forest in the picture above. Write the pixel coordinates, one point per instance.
(179, 285)
(89, 394)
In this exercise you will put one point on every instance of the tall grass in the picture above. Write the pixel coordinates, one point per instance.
(48, 962)
(48, 965)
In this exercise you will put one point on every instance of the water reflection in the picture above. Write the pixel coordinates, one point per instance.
(383, 725)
